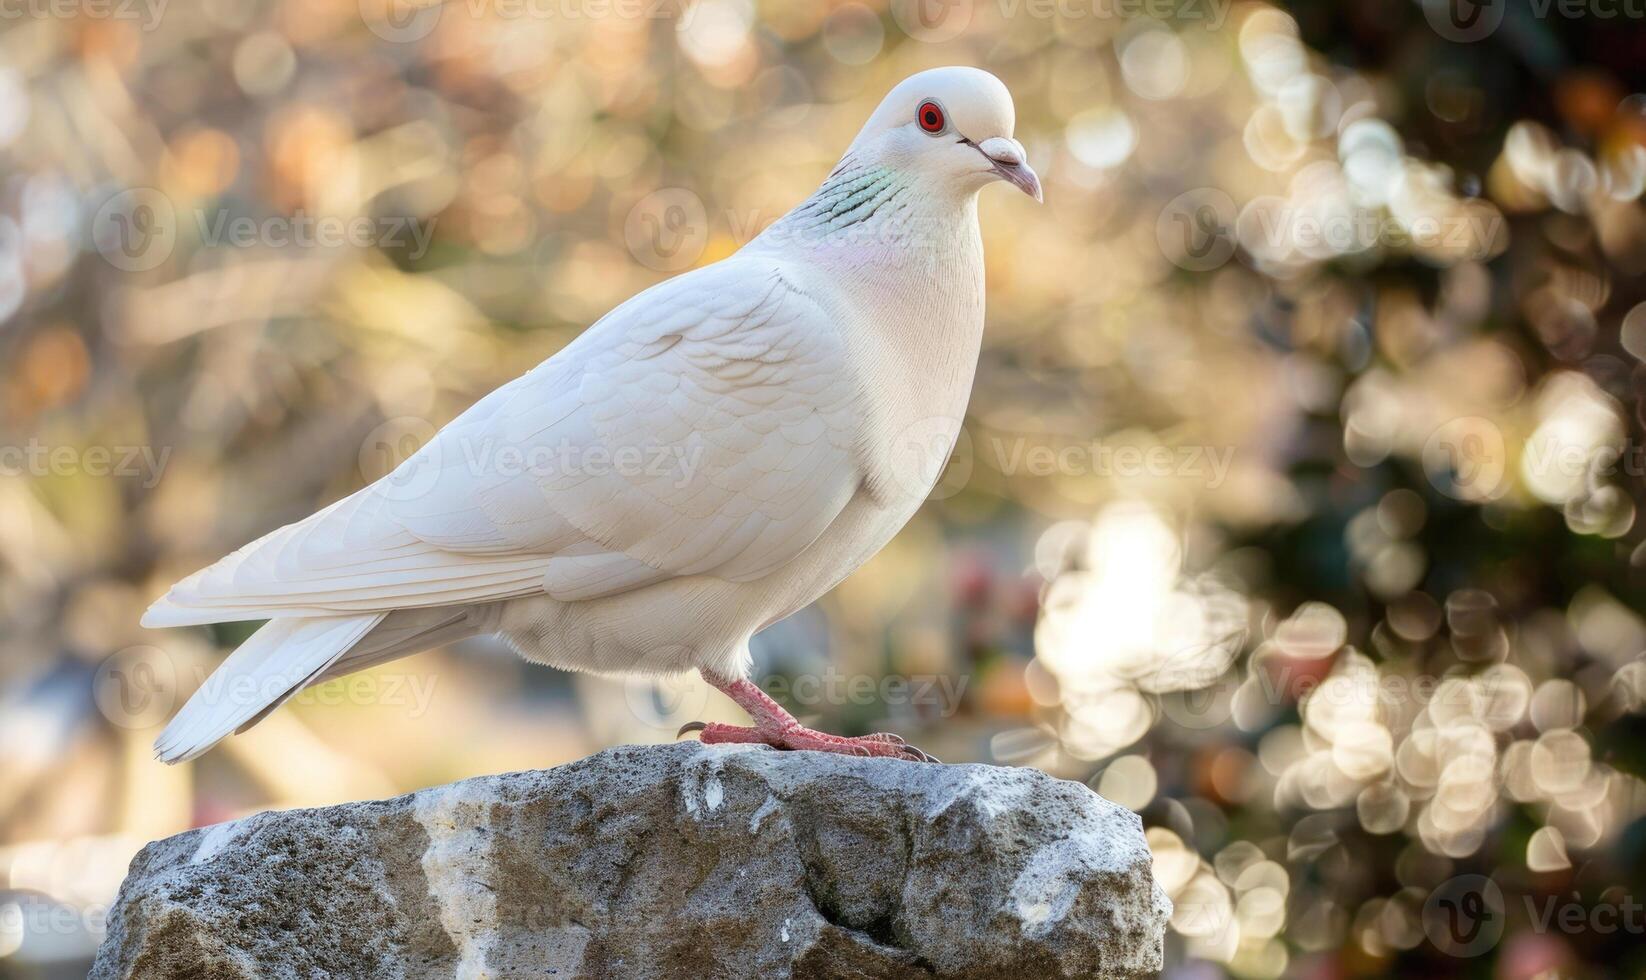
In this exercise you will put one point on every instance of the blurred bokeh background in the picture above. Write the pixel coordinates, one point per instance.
(1297, 506)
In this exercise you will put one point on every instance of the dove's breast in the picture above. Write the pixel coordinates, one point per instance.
(909, 324)
(913, 319)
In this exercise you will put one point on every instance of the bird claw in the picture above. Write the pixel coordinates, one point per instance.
(913, 752)
(690, 726)
(916, 754)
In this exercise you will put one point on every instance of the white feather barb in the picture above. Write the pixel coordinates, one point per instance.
(276, 662)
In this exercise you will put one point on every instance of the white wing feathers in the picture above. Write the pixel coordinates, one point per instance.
(704, 427)
(275, 663)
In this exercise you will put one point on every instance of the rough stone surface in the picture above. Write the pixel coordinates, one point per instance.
(682, 862)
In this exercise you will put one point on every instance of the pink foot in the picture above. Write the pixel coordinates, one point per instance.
(776, 727)
(800, 737)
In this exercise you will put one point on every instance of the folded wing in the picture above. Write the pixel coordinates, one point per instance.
(704, 427)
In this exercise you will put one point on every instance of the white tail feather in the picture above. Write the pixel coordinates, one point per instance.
(273, 664)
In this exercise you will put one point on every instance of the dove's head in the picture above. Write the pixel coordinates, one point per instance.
(949, 126)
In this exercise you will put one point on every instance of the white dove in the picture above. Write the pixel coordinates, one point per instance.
(803, 393)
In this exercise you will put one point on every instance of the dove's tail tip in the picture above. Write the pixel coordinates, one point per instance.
(175, 608)
(182, 607)
(174, 756)
(276, 662)
(159, 615)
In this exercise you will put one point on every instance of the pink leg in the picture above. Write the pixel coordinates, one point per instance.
(776, 727)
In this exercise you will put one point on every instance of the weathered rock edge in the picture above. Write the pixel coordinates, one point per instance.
(668, 862)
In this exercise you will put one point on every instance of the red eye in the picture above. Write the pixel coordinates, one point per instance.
(930, 116)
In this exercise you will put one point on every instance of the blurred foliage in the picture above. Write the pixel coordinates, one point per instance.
(1297, 506)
